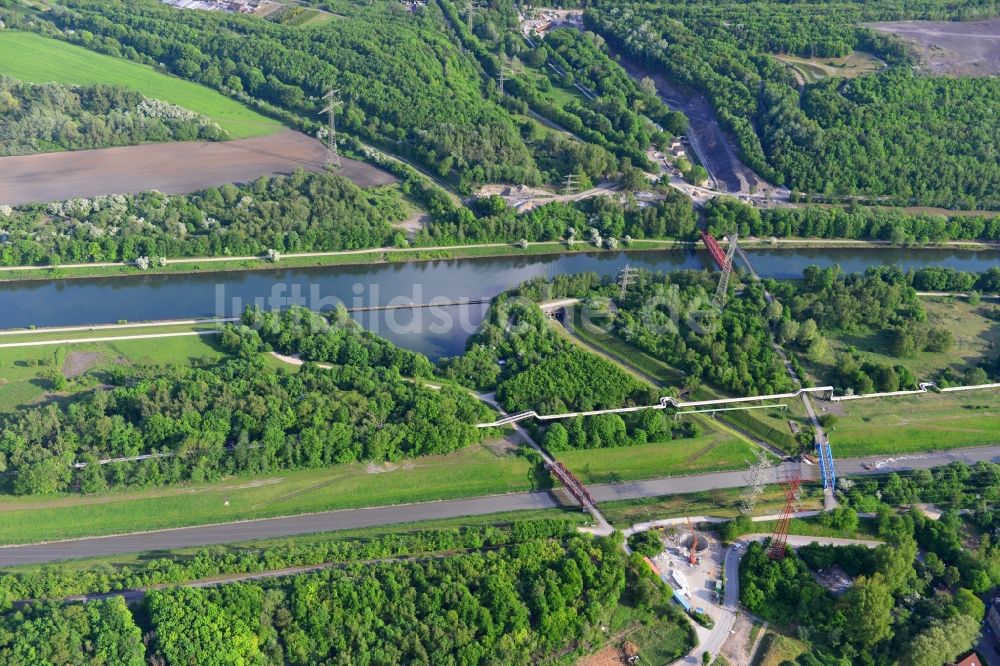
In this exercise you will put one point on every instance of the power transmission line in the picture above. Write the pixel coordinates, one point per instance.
(626, 277)
(470, 11)
(504, 69)
(571, 183)
(755, 483)
(332, 156)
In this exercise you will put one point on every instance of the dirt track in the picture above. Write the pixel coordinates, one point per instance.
(946, 47)
(168, 167)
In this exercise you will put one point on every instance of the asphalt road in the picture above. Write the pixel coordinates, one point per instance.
(270, 528)
(391, 515)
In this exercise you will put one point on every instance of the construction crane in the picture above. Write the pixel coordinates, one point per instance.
(791, 482)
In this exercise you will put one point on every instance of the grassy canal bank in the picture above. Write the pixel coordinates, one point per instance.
(392, 255)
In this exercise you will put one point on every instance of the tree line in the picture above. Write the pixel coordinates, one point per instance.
(46, 117)
(311, 212)
(725, 215)
(304, 212)
(596, 221)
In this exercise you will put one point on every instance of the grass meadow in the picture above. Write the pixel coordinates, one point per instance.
(710, 452)
(25, 372)
(926, 422)
(37, 59)
(472, 472)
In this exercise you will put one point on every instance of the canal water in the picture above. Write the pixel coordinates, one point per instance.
(437, 332)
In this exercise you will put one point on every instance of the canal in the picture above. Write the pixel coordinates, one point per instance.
(435, 332)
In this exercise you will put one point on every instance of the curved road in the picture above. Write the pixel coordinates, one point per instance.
(712, 641)
(204, 535)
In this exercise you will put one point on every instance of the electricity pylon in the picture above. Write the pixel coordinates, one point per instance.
(755, 483)
(332, 156)
(626, 277)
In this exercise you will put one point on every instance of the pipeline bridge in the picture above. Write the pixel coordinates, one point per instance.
(664, 403)
(725, 263)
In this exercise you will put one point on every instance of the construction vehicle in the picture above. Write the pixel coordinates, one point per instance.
(693, 555)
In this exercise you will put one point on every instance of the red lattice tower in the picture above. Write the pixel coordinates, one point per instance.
(791, 484)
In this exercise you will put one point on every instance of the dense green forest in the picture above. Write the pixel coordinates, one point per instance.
(520, 595)
(569, 79)
(298, 213)
(898, 134)
(36, 118)
(506, 606)
(55, 582)
(671, 317)
(242, 415)
(100, 633)
(900, 608)
(518, 353)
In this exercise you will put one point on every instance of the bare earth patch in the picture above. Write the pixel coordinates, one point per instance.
(174, 168)
(372, 468)
(609, 656)
(256, 484)
(737, 648)
(413, 224)
(834, 579)
(502, 447)
(947, 47)
(79, 362)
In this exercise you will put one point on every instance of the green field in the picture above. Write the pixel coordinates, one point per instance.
(661, 642)
(23, 370)
(932, 421)
(707, 453)
(811, 527)
(300, 17)
(769, 425)
(472, 472)
(977, 337)
(38, 59)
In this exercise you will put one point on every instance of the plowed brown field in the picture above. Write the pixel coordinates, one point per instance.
(173, 168)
